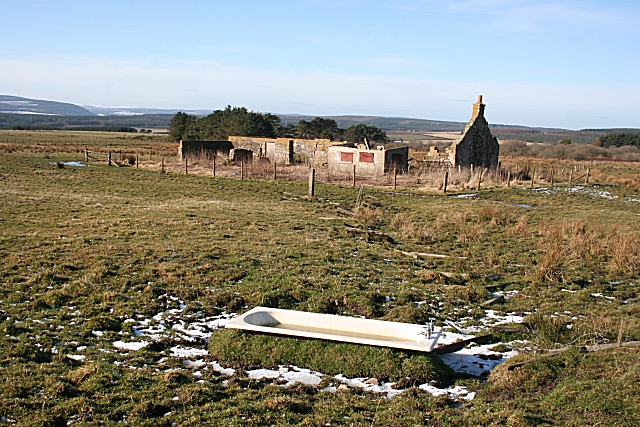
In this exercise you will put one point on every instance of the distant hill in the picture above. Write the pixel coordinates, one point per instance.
(25, 113)
(384, 123)
(18, 105)
(45, 122)
(131, 111)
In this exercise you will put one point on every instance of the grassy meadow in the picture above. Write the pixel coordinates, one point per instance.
(95, 258)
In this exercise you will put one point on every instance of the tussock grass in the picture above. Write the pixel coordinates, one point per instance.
(568, 247)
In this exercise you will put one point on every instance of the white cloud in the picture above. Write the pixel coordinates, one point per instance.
(207, 85)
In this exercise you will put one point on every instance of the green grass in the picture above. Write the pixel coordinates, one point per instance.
(83, 249)
(246, 350)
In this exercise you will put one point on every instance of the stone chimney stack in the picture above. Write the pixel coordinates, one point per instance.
(478, 108)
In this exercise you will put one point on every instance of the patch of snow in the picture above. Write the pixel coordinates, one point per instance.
(382, 387)
(477, 360)
(593, 192)
(130, 346)
(187, 352)
(304, 376)
(598, 294)
(74, 164)
(78, 357)
(455, 392)
(224, 371)
(194, 363)
(258, 374)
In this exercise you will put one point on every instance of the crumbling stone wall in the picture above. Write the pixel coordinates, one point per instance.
(285, 150)
(477, 146)
(277, 150)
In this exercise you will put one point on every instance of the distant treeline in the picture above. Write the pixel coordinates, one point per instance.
(619, 139)
(101, 123)
(389, 124)
(238, 121)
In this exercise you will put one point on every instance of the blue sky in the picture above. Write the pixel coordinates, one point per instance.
(572, 64)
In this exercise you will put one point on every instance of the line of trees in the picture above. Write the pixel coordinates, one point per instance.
(238, 121)
(618, 139)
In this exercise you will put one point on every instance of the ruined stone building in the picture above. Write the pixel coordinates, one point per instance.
(369, 162)
(477, 146)
(283, 150)
(339, 157)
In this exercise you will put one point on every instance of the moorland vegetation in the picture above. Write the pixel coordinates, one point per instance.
(109, 275)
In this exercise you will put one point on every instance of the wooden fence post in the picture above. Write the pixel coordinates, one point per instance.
(109, 158)
(149, 155)
(275, 175)
(445, 182)
(86, 154)
(312, 179)
(552, 177)
(479, 179)
(162, 167)
(214, 165)
(533, 177)
(395, 177)
(360, 196)
(587, 177)
(186, 166)
(509, 178)
(242, 169)
(570, 176)
(354, 175)
(137, 159)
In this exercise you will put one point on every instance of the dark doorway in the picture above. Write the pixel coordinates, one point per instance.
(245, 156)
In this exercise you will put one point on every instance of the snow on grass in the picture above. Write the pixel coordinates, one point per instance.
(455, 392)
(78, 357)
(195, 329)
(73, 164)
(476, 360)
(370, 386)
(188, 352)
(593, 192)
(600, 295)
(173, 322)
(130, 346)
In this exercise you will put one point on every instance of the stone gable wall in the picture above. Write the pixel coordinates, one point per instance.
(477, 146)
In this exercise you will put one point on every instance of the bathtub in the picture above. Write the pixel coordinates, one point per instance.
(303, 324)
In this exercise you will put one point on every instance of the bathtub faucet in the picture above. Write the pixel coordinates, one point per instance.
(428, 329)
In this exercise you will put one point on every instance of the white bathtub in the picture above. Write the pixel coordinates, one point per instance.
(338, 328)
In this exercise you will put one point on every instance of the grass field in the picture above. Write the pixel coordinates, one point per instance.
(115, 282)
